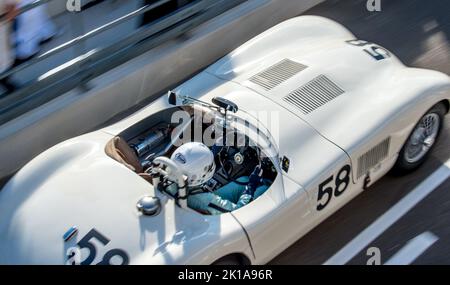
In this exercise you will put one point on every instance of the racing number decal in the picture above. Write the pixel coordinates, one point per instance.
(327, 190)
(86, 243)
(377, 52)
(342, 180)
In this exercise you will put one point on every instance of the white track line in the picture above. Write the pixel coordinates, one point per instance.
(413, 249)
(391, 216)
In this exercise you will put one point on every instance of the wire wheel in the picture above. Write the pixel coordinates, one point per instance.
(423, 138)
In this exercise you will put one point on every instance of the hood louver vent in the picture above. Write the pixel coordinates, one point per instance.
(374, 156)
(277, 74)
(314, 94)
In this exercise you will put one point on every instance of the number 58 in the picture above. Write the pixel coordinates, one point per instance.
(341, 184)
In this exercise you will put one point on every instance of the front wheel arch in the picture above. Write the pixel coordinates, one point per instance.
(446, 104)
(402, 166)
(233, 259)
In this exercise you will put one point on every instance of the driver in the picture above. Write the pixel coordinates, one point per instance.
(196, 161)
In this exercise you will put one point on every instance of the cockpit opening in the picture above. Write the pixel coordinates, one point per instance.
(199, 156)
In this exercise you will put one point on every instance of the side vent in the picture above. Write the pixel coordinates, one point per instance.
(314, 94)
(374, 156)
(277, 74)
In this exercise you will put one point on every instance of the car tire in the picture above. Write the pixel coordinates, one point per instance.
(421, 141)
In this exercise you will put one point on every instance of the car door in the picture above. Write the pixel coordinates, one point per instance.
(325, 172)
(274, 220)
(331, 188)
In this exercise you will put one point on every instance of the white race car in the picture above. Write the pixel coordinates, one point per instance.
(304, 111)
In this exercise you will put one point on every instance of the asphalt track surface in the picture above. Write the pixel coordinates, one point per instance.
(418, 32)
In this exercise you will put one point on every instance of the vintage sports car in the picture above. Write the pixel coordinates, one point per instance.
(287, 129)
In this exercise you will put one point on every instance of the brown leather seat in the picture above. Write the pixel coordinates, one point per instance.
(119, 150)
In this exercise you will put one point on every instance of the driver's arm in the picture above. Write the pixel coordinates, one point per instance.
(214, 204)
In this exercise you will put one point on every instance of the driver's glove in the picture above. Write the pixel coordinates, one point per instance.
(254, 181)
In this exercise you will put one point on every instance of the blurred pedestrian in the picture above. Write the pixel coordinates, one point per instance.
(33, 28)
(8, 11)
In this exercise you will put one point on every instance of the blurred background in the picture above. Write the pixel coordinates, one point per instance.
(40, 27)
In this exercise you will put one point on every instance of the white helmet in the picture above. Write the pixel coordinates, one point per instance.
(196, 161)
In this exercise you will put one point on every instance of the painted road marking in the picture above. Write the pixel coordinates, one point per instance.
(391, 216)
(413, 249)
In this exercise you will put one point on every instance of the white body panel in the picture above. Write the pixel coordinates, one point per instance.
(101, 194)
(75, 183)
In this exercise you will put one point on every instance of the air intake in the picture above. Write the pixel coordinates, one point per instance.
(374, 156)
(314, 94)
(277, 74)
